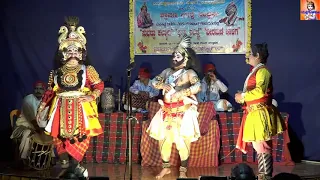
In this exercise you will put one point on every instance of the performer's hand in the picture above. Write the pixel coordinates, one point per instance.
(85, 98)
(238, 97)
(167, 87)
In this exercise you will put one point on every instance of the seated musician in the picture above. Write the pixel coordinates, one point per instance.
(142, 91)
(26, 124)
(211, 87)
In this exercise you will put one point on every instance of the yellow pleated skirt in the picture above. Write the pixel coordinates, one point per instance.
(262, 124)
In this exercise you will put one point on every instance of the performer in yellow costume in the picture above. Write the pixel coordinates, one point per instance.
(261, 119)
(176, 121)
(73, 89)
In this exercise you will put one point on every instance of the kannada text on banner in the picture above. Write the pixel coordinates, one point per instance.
(216, 26)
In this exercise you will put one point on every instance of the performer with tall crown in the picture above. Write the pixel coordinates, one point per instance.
(176, 121)
(71, 94)
(261, 119)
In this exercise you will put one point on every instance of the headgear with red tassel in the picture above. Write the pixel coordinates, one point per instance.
(41, 83)
(209, 67)
(144, 73)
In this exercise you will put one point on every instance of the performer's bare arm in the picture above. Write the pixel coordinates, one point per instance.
(158, 81)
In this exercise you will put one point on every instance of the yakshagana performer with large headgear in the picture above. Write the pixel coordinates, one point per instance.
(261, 120)
(73, 89)
(176, 121)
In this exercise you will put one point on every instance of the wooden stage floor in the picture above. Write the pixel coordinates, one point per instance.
(116, 172)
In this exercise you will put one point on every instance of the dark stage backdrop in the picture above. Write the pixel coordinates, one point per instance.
(29, 32)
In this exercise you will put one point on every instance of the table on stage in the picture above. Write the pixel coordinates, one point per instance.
(112, 145)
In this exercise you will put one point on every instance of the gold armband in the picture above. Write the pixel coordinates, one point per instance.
(194, 80)
(96, 93)
(93, 75)
(158, 82)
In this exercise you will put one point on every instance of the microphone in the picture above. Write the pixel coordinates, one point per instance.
(131, 66)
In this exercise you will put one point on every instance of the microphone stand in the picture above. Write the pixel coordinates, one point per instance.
(129, 118)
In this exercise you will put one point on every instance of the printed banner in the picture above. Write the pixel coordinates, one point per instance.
(216, 26)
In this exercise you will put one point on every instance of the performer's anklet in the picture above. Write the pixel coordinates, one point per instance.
(166, 165)
(183, 169)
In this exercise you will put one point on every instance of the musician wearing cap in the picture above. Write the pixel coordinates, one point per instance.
(176, 121)
(26, 124)
(71, 95)
(261, 120)
(142, 91)
(211, 87)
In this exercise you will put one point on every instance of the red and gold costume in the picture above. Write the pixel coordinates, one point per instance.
(72, 122)
(261, 120)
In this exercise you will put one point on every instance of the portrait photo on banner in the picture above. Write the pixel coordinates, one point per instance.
(216, 26)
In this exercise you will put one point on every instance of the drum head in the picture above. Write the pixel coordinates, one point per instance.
(41, 138)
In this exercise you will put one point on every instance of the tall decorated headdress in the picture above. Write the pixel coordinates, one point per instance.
(72, 37)
(183, 45)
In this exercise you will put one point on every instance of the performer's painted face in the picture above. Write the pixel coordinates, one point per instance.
(177, 59)
(38, 90)
(253, 60)
(72, 52)
(72, 55)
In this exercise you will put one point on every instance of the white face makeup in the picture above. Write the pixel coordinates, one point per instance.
(177, 59)
(72, 52)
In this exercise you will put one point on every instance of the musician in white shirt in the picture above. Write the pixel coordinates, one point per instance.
(26, 124)
(211, 87)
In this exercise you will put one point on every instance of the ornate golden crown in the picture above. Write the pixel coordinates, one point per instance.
(310, 2)
(72, 35)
